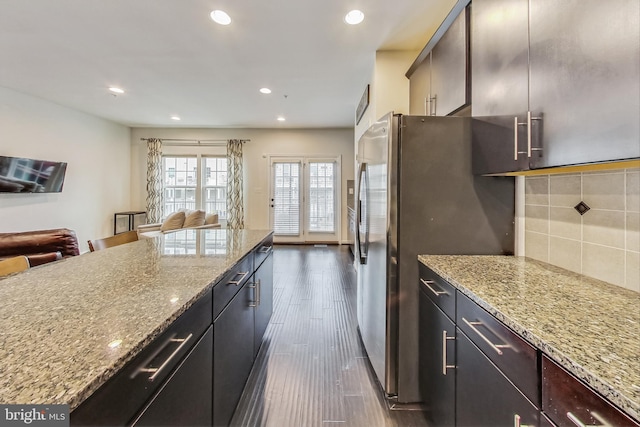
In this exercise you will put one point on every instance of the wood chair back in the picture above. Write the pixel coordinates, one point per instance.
(13, 265)
(118, 239)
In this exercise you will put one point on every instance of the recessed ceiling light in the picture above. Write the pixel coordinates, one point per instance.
(175, 118)
(265, 90)
(281, 119)
(354, 17)
(116, 89)
(221, 17)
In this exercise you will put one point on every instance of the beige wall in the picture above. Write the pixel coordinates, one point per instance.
(389, 87)
(604, 242)
(98, 172)
(264, 143)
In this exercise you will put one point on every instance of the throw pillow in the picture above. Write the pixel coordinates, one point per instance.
(173, 221)
(211, 219)
(194, 219)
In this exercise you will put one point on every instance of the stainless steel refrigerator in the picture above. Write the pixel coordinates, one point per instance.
(416, 195)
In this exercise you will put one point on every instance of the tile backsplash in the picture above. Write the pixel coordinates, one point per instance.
(604, 242)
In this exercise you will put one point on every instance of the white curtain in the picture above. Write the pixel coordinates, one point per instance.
(235, 202)
(155, 192)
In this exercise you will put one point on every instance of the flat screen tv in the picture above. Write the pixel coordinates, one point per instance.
(18, 175)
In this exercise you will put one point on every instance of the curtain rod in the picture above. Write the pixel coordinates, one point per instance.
(194, 142)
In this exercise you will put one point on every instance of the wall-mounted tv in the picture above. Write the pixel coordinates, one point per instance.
(18, 175)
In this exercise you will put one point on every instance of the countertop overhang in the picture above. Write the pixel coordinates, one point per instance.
(589, 327)
(67, 327)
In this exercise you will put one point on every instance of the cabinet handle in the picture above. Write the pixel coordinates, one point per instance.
(579, 423)
(428, 284)
(265, 249)
(496, 347)
(444, 353)
(256, 286)
(156, 371)
(530, 119)
(516, 422)
(516, 123)
(237, 282)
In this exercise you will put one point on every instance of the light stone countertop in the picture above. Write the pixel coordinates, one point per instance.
(57, 320)
(589, 327)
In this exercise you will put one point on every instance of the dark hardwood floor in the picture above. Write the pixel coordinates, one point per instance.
(311, 369)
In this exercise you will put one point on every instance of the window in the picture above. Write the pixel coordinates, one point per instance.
(321, 204)
(195, 182)
(215, 186)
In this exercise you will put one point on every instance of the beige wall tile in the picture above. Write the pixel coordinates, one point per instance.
(536, 190)
(633, 191)
(604, 190)
(565, 222)
(633, 231)
(536, 246)
(633, 271)
(536, 218)
(603, 263)
(565, 253)
(564, 190)
(604, 228)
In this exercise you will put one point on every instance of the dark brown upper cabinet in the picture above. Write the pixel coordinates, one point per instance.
(554, 83)
(439, 78)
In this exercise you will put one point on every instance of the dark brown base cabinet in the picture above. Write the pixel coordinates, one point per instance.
(437, 381)
(187, 396)
(263, 280)
(484, 396)
(193, 374)
(500, 379)
(568, 402)
(233, 337)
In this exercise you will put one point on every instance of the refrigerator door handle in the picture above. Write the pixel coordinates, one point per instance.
(362, 253)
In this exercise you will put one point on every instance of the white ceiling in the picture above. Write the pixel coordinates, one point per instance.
(172, 59)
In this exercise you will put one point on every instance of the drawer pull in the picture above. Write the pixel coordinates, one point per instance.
(496, 347)
(237, 282)
(156, 371)
(516, 422)
(444, 353)
(265, 249)
(428, 284)
(256, 286)
(579, 423)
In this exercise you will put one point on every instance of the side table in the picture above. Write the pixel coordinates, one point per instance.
(132, 223)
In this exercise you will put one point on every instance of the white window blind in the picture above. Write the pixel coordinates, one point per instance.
(321, 200)
(286, 198)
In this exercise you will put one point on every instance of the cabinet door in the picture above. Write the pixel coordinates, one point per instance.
(233, 355)
(420, 88)
(499, 85)
(568, 402)
(585, 80)
(484, 396)
(263, 300)
(499, 57)
(186, 397)
(449, 69)
(437, 361)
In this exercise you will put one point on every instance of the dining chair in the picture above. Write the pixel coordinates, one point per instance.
(118, 239)
(13, 265)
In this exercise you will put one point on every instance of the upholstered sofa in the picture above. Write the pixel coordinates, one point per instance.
(40, 246)
(180, 220)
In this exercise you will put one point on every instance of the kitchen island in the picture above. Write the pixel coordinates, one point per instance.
(67, 328)
(588, 327)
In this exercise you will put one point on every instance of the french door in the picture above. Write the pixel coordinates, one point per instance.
(304, 202)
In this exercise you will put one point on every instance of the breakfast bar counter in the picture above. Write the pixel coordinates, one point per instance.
(588, 327)
(67, 327)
